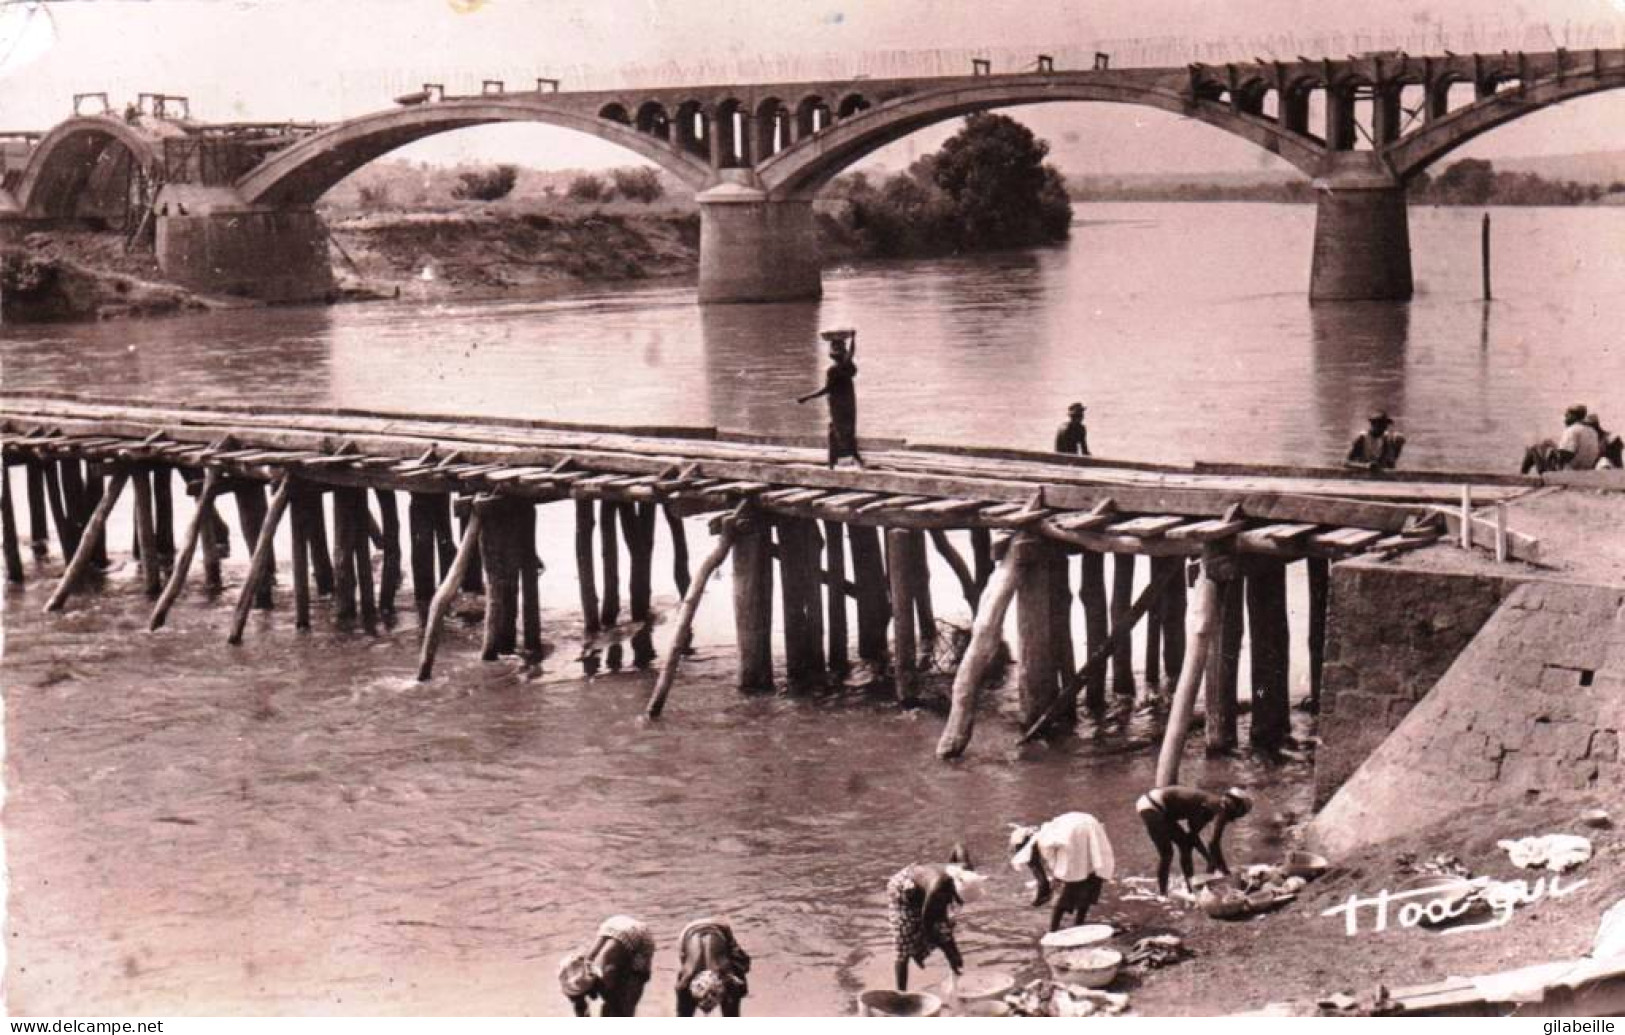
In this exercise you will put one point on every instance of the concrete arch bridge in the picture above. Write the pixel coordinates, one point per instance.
(234, 203)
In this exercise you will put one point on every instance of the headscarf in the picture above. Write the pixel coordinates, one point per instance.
(577, 975)
(1243, 800)
(969, 884)
(707, 989)
(1022, 841)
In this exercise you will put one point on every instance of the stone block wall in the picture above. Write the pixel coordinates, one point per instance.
(271, 255)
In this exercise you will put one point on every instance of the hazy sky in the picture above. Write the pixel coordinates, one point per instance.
(326, 59)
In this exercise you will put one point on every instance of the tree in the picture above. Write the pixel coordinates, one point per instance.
(639, 184)
(1003, 193)
(1470, 181)
(485, 185)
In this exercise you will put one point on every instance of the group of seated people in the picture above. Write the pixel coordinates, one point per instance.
(1070, 858)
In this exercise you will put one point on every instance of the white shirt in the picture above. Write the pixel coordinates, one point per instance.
(1580, 439)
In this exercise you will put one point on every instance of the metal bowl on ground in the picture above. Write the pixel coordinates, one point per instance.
(984, 986)
(984, 1008)
(1081, 937)
(1091, 967)
(884, 1002)
(1307, 865)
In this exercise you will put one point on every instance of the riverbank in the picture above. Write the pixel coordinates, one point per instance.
(81, 275)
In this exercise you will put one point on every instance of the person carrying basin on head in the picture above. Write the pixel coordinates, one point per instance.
(1071, 850)
(1378, 448)
(920, 905)
(614, 970)
(1175, 816)
(841, 390)
(1073, 437)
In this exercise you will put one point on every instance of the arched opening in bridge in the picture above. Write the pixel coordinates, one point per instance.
(851, 104)
(693, 129)
(733, 135)
(812, 116)
(653, 120)
(615, 113)
(1358, 100)
(773, 128)
(93, 177)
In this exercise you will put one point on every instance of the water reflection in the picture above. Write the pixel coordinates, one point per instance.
(758, 360)
(1359, 351)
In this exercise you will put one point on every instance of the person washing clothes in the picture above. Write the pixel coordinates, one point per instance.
(920, 905)
(1071, 850)
(1175, 816)
(614, 970)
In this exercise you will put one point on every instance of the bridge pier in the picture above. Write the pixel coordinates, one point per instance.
(275, 255)
(753, 249)
(1362, 233)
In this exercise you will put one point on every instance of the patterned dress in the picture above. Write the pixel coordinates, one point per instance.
(633, 936)
(905, 912)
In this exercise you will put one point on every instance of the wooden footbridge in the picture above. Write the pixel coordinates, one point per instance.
(1020, 516)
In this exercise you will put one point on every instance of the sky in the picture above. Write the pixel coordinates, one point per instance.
(329, 59)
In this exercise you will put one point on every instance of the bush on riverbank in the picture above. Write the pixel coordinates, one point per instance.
(988, 188)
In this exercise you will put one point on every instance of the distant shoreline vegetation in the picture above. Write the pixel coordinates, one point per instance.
(1471, 181)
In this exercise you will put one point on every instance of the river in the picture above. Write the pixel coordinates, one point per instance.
(295, 826)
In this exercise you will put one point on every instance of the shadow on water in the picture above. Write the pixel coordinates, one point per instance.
(758, 360)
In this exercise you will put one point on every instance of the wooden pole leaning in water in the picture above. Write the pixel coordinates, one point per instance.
(987, 633)
(1217, 565)
(8, 517)
(86, 547)
(183, 559)
(726, 530)
(260, 562)
(446, 594)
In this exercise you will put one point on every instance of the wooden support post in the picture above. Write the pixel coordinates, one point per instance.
(685, 616)
(1097, 628)
(446, 544)
(981, 544)
(497, 554)
(91, 496)
(969, 584)
(987, 633)
(924, 609)
(389, 526)
(39, 532)
(1319, 584)
(86, 550)
(874, 602)
(1501, 531)
(163, 514)
(74, 505)
(316, 541)
(530, 579)
(213, 539)
(146, 536)
(1060, 584)
(1171, 609)
(610, 611)
(1122, 602)
(420, 533)
(1270, 642)
(835, 595)
(300, 519)
(1222, 661)
(1153, 639)
(638, 527)
(198, 527)
(753, 602)
(1216, 567)
(260, 561)
(8, 528)
(473, 577)
(905, 648)
(800, 559)
(585, 575)
(345, 534)
(1484, 256)
(67, 530)
(1035, 635)
(446, 594)
(679, 550)
(250, 516)
(361, 544)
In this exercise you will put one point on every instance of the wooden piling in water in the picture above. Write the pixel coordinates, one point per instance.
(261, 560)
(75, 507)
(198, 528)
(905, 647)
(1216, 567)
(835, 595)
(919, 574)
(212, 543)
(1035, 634)
(345, 533)
(987, 633)
(586, 579)
(1122, 603)
(361, 552)
(300, 519)
(679, 550)
(1319, 597)
(251, 510)
(873, 594)
(8, 529)
(446, 594)
(91, 495)
(609, 611)
(321, 553)
(753, 602)
(638, 528)
(420, 534)
(163, 514)
(981, 545)
(1270, 641)
(67, 529)
(499, 556)
(530, 580)
(800, 562)
(1222, 662)
(1060, 583)
(724, 527)
(39, 531)
(1171, 607)
(1153, 640)
(146, 535)
(85, 550)
(389, 528)
(1097, 626)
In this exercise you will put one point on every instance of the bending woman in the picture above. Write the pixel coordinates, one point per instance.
(1070, 850)
(1175, 816)
(920, 903)
(614, 970)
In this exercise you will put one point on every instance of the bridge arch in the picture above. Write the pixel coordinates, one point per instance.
(801, 170)
(61, 164)
(304, 172)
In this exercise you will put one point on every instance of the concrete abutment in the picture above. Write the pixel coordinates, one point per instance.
(753, 249)
(1362, 233)
(274, 255)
